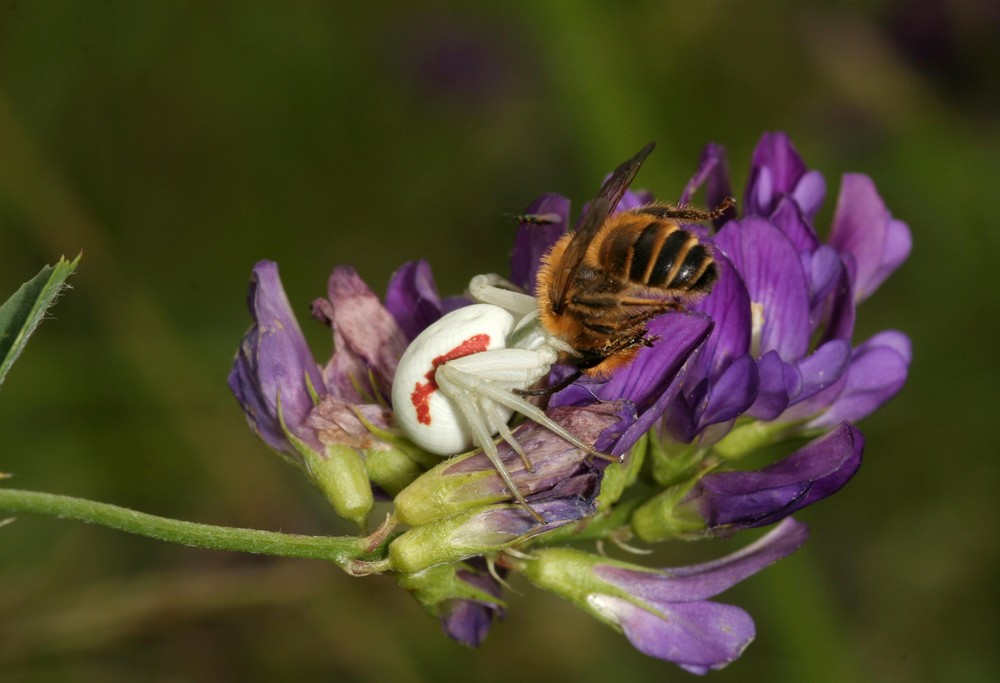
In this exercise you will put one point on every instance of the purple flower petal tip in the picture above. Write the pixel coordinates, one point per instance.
(697, 636)
(273, 364)
(863, 227)
(412, 298)
(669, 615)
(713, 174)
(878, 370)
(367, 339)
(729, 501)
(469, 621)
(777, 170)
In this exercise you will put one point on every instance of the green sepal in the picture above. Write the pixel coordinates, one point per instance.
(343, 479)
(453, 539)
(663, 517)
(569, 573)
(434, 586)
(424, 459)
(672, 462)
(24, 310)
(339, 472)
(391, 469)
(619, 476)
(438, 494)
(752, 435)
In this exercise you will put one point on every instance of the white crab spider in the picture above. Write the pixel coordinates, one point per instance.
(454, 385)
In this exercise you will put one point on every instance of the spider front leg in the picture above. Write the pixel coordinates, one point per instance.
(493, 289)
(480, 384)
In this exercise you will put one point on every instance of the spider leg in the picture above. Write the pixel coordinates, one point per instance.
(493, 289)
(484, 438)
(499, 424)
(485, 374)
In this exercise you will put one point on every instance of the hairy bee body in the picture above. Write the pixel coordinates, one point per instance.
(599, 286)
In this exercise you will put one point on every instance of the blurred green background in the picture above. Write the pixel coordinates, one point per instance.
(176, 143)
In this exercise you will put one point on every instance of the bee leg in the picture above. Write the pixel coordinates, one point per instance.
(689, 213)
(483, 438)
(552, 388)
(493, 289)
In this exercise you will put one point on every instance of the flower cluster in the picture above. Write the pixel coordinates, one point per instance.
(766, 358)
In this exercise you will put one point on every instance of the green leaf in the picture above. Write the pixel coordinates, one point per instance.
(21, 313)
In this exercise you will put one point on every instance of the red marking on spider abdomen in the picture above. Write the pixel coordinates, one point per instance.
(422, 391)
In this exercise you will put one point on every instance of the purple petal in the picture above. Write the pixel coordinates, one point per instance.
(697, 636)
(679, 415)
(772, 272)
(653, 380)
(823, 266)
(810, 192)
(733, 392)
(898, 243)
(863, 227)
(336, 423)
(776, 169)
(553, 459)
(787, 217)
(412, 298)
(708, 579)
(878, 370)
(502, 524)
(366, 336)
(274, 362)
(645, 379)
(838, 311)
(534, 240)
(741, 500)
(729, 306)
(822, 368)
(469, 621)
(778, 382)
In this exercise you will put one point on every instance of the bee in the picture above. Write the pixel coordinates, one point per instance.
(462, 378)
(600, 285)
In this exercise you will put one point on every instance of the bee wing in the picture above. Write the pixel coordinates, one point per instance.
(614, 188)
(607, 199)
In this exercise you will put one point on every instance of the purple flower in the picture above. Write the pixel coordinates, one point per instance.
(784, 306)
(274, 365)
(470, 481)
(651, 381)
(328, 420)
(665, 613)
(730, 501)
(464, 596)
(864, 229)
(486, 530)
(469, 620)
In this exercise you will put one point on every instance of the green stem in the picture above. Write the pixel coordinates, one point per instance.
(346, 552)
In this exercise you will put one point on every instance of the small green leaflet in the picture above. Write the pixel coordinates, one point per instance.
(21, 313)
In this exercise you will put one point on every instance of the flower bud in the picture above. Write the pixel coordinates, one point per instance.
(484, 530)
(722, 502)
(464, 596)
(470, 481)
(664, 613)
